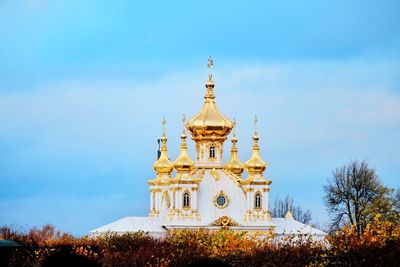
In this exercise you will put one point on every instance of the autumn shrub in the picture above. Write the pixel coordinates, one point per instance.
(379, 245)
(187, 246)
(130, 249)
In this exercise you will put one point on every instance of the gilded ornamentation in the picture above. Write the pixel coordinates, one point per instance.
(234, 164)
(165, 198)
(209, 123)
(221, 200)
(255, 165)
(163, 166)
(183, 163)
(225, 222)
(215, 174)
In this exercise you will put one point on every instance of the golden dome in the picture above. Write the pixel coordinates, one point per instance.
(183, 163)
(163, 165)
(209, 123)
(234, 164)
(255, 165)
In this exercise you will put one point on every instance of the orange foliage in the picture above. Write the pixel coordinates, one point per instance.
(379, 245)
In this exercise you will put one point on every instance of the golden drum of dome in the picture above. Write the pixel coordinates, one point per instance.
(183, 163)
(255, 165)
(234, 164)
(209, 123)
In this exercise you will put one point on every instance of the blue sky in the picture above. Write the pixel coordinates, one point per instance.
(84, 85)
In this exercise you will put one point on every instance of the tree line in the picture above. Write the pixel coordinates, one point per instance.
(353, 195)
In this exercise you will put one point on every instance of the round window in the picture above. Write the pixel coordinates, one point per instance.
(221, 200)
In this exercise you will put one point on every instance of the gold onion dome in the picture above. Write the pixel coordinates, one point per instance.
(209, 122)
(234, 164)
(183, 163)
(255, 165)
(163, 165)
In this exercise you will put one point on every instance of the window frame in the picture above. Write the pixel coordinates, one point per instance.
(258, 200)
(186, 200)
(212, 152)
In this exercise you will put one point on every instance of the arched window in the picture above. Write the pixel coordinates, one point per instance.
(186, 200)
(212, 152)
(257, 200)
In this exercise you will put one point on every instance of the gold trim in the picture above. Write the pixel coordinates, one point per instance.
(215, 174)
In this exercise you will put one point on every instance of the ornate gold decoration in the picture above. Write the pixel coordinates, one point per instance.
(255, 165)
(163, 165)
(225, 222)
(257, 216)
(221, 194)
(209, 123)
(215, 174)
(234, 164)
(183, 163)
(154, 213)
(166, 198)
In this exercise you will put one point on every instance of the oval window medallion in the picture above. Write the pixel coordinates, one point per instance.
(221, 200)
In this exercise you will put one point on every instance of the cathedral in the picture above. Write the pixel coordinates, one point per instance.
(205, 191)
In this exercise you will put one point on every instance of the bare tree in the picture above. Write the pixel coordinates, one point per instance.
(281, 207)
(354, 195)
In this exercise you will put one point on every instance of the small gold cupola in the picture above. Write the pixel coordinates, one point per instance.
(183, 163)
(163, 166)
(209, 123)
(234, 164)
(255, 165)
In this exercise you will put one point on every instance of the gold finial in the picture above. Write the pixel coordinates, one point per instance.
(163, 166)
(210, 64)
(164, 121)
(183, 163)
(255, 165)
(234, 127)
(184, 123)
(255, 124)
(234, 165)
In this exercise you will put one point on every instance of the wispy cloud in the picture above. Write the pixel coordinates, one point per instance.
(90, 134)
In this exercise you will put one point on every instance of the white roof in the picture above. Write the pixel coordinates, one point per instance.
(290, 226)
(132, 224)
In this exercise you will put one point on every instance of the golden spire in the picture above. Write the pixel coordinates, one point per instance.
(255, 165)
(183, 163)
(210, 84)
(209, 123)
(234, 164)
(163, 165)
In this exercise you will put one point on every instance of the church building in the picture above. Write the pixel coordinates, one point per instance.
(205, 191)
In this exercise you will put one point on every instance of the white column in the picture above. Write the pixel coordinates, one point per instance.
(248, 200)
(151, 199)
(194, 196)
(158, 200)
(173, 196)
(265, 199)
(178, 199)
